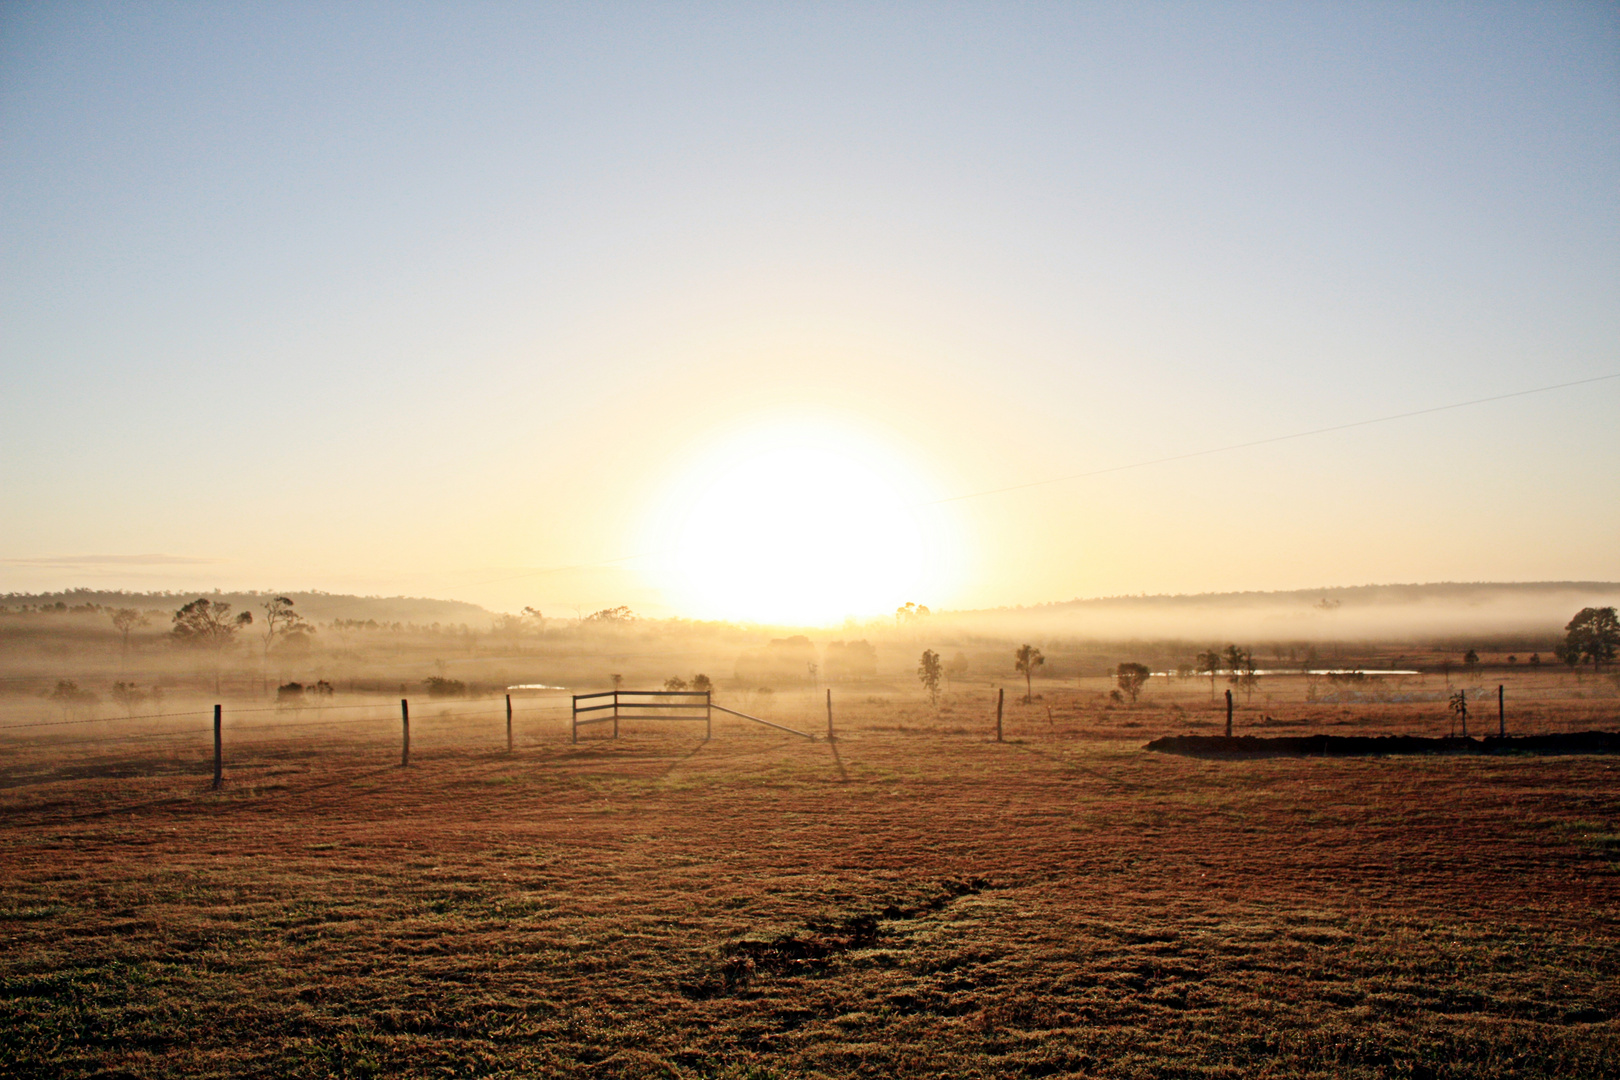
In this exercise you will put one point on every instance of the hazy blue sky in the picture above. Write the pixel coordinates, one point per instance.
(432, 298)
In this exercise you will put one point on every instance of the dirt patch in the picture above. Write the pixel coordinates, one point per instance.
(1251, 746)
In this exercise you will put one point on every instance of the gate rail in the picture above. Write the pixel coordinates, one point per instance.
(630, 705)
(633, 705)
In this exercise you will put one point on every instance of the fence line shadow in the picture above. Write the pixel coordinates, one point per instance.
(1069, 766)
(838, 760)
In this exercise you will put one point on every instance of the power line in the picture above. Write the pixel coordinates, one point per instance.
(1274, 439)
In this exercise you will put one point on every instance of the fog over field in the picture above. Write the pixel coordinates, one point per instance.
(1390, 614)
(384, 642)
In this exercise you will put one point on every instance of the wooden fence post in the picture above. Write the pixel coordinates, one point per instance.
(829, 717)
(405, 726)
(615, 714)
(708, 715)
(1501, 713)
(1000, 696)
(1229, 714)
(219, 751)
(508, 723)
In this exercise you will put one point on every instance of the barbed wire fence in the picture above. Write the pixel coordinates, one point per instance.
(187, 741)
(253, 737)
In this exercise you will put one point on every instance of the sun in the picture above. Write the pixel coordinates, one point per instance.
(801, 523)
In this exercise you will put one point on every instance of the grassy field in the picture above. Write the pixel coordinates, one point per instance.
(913, 900)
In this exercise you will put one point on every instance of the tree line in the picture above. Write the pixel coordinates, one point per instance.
(1592, 636)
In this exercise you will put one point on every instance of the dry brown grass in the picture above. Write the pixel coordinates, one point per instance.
(913, 901)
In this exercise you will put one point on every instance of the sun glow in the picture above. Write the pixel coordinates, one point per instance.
(801, 524)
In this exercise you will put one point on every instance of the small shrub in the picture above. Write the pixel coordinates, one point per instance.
(128, 696)
(73, 700)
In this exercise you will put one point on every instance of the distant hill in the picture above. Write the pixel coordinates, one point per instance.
(1450, 592)
(1357, 613)
(317, 606)
(1362, 612)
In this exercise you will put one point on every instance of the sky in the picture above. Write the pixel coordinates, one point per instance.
(719, 310)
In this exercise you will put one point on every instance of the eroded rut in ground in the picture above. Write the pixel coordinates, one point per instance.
(815, 948)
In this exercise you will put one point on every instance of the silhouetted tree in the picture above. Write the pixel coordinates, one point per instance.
(207, 624)
(850, 660)
(1593, 634)
(281, 621)
(702, 683)
(1210, 661)
(929, 672)
(124, 620)
(1232, 661)
(674, 682)
(1307, 665)
(1239, 664)
(128, 695)
(909, 612)
(1027, 659)
(68, 695)
(1131, 678)
(1248, 677)
(1569, 654)
(1470, 661)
